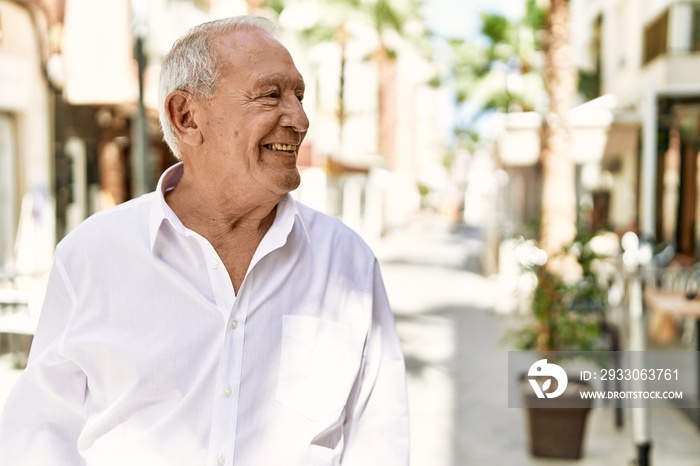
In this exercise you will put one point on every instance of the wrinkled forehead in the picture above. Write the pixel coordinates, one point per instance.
(258, 53)
(247, 37)
(250, 45)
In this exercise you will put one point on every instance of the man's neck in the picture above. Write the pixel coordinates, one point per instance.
(233, 222)
(220, 214)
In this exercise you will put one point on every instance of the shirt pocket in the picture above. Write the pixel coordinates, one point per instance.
(315, 375)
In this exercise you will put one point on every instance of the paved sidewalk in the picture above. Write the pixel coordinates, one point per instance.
(457, 366)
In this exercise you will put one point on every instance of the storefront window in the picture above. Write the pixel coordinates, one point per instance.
(695, 34)
(655, 38)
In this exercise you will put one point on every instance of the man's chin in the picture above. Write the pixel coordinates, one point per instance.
(288, 181)
(294, 181)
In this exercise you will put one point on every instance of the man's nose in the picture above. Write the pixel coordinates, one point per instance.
(294, 115)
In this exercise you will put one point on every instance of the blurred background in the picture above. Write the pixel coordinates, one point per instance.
(461, 138)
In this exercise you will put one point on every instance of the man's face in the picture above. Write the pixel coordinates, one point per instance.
(254, 124)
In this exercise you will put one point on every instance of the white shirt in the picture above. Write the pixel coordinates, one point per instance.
(144, 355)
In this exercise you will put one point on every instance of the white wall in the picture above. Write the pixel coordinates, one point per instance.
(24, 101)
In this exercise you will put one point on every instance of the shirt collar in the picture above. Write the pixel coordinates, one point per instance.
(287, 209)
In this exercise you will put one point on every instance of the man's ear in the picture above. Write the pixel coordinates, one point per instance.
(179, 109)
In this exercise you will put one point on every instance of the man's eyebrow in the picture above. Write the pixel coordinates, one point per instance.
(276, 79)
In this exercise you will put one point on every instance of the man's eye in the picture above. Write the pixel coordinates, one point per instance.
(271, 95)
(300, 97)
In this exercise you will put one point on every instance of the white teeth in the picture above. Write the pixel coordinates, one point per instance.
(284, 147)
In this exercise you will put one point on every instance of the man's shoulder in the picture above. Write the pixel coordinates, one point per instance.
(127, 219)
(325, 229)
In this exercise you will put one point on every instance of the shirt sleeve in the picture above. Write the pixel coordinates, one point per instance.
(377, 430)
(43, 416)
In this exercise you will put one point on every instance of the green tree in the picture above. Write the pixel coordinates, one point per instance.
(500, 72)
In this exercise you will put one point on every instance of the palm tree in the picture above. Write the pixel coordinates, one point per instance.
(558, 204)
(383, 16)
(333, 28)
(388, 15)
(477, 68)
(502, 74)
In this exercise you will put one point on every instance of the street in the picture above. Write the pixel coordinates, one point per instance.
(457, 362)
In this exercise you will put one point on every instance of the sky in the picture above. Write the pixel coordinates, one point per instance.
(460, 18)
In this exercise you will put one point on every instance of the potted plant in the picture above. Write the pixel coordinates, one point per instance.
(567, 305)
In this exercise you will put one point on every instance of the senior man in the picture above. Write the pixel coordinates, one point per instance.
(215, 321)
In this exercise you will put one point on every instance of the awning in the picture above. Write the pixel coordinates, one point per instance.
(599, 132)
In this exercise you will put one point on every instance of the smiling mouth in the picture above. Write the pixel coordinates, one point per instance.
(289, 148)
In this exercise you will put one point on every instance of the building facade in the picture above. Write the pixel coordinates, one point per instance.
(636, 144)
(25, 139)
(647, 55)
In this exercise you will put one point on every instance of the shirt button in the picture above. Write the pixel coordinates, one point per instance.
(227, 391)
(234, 324)
(214, 264)
(221, 460)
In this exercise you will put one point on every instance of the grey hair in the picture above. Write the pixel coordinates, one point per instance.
(192, 65)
